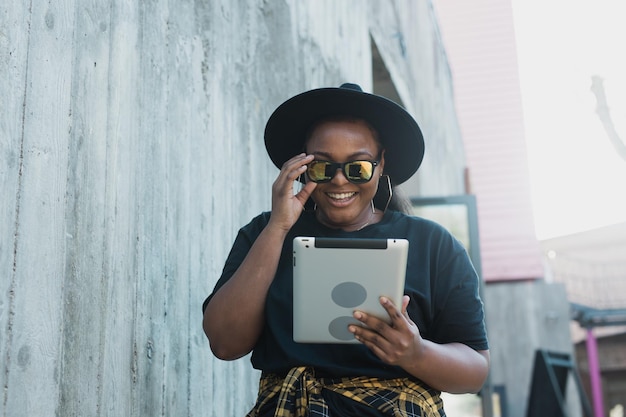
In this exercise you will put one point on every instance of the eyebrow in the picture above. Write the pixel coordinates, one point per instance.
(351, 157)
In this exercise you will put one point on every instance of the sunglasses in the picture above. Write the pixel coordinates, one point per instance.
(357, 172)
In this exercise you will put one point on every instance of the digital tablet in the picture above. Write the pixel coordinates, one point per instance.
(333, 277)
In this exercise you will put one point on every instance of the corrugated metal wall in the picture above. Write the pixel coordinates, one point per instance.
(130, 153)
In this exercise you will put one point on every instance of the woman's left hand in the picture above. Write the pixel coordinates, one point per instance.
(398, 343)
(451, 367)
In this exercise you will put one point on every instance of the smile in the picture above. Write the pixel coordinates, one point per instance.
(341, 196)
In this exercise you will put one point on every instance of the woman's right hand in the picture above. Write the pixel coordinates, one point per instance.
(287, 206)
(234, 331)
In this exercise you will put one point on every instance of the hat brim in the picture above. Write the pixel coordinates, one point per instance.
(399, 133)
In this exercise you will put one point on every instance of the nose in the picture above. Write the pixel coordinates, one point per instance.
(340, 177)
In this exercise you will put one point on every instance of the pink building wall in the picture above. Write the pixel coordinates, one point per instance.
(479, 39)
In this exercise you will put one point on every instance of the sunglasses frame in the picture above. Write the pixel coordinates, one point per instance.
(342, 165)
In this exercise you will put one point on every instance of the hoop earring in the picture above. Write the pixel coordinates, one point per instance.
(383, 194)
(372, 204)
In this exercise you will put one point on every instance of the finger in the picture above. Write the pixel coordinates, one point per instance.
(294, 159)
(375, 345)
(375, 329)
(297, 162)
(291, 170)
(306, 191)
(368, 335)
(391, 309)
(405, 303)
(370, 321)
(372, 340)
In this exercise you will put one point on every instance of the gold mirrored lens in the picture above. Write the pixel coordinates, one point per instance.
(317, 171)
(359, 170)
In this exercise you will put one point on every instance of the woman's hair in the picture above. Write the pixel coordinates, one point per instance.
(400, 202)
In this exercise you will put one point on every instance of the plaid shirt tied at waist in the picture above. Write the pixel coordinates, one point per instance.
(300, 395)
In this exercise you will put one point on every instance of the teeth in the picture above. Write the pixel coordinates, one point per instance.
(340, 196)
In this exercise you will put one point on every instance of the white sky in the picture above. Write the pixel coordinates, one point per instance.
(578, 179)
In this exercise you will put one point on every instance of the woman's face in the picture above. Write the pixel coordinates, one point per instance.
(340, 203)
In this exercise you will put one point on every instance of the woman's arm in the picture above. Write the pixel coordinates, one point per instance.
(234, 317)
(451, 367)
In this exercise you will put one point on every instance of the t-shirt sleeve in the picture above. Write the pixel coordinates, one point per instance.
(243, 242)
(459, 315)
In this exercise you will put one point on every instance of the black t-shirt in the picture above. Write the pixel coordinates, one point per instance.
(440, 280)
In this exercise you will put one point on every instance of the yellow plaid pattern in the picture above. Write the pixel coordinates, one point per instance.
(300, 395)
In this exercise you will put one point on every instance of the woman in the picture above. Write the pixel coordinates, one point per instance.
(348, 147)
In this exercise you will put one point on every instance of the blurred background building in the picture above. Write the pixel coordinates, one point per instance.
(481, 45)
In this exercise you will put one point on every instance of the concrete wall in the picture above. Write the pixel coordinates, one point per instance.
(407, 36)
(130, 153)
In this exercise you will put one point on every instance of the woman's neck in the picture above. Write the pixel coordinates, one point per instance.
(371, 217)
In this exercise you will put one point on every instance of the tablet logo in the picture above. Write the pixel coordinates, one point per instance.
(347, 295)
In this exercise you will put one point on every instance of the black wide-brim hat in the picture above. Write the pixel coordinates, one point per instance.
(399, 134)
